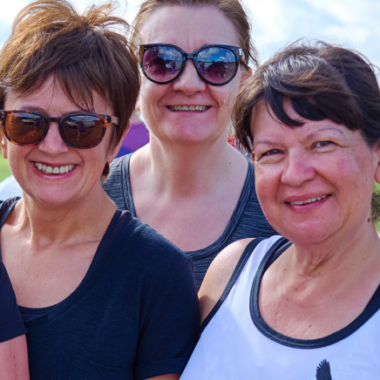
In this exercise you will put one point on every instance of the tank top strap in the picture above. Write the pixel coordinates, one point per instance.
(241, 266)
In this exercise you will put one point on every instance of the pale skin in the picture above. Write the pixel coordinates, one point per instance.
(187, 181)
(327, 277)
(49, 240)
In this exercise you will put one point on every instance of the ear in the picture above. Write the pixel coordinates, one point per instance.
(4, 145)
(112, 153)
(377, 163)
(137, 106)
(253, 158)
(246, 73)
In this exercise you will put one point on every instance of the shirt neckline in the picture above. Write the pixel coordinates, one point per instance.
(276, 250)
(103, 258)
(245, 196)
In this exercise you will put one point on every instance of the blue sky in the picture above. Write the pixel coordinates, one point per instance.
(351, 23)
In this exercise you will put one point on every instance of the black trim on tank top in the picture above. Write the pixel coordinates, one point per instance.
(235, 275)
(276, 250)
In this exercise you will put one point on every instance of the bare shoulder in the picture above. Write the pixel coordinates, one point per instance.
(218, 275)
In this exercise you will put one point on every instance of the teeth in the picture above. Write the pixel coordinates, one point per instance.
(53, 169)
(308, 201)
(188, 108)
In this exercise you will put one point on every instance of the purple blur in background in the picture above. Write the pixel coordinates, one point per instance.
(137, 136)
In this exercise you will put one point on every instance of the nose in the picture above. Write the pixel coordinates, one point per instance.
(53, 144)
(189, 81)
(298, 170)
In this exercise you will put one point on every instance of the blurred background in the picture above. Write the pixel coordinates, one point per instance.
(275, 23)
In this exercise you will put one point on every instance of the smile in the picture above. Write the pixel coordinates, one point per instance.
(188, 108)
(53, 169)
(311, 200)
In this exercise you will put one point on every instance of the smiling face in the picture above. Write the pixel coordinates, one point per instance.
(169, 109)
(52, 172)
(314, 181)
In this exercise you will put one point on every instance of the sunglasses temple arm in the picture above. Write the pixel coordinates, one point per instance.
(115, 120)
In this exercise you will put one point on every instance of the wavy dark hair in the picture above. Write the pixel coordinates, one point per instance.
(84, 53)
(322, 81)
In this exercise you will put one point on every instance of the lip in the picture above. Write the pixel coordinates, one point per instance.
(307, 206)
(54, 176)
(305, 197)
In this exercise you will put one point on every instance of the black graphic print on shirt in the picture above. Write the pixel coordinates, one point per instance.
(323, 370)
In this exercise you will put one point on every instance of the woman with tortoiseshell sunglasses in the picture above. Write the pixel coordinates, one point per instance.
(101, 294)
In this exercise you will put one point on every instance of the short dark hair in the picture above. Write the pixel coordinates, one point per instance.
(322, 81)
(85, 53)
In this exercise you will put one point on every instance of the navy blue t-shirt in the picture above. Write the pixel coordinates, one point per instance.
(11, 324)
(135, 314)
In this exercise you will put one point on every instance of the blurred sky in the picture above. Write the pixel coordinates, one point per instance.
(352, 23)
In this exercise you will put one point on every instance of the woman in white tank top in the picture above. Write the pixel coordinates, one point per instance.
(305, 306)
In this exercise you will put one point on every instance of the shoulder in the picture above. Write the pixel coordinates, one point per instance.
(253, 221)
(11, 324)
(149, 249)
(115, 174)
(115, 185)
(219, 274)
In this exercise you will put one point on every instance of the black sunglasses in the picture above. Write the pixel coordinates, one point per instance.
(79, 130)
(215, 64)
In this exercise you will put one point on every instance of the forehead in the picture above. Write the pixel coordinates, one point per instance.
(265, 127)
(189, 27)
(51, 98)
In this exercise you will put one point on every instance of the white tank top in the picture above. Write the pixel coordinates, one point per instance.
(236, 343)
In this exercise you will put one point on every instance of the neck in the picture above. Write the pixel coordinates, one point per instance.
(84, 219)
(193, 169)
(337, 258)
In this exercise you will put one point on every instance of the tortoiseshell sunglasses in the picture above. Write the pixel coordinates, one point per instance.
(79, 130)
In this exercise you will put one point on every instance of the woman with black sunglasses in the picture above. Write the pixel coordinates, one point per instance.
(101, 294)
(188, 183)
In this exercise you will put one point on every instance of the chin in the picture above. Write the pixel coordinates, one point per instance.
(52, 198)
(307, 233)
(193, 137)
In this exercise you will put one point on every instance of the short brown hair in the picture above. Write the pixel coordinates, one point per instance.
(232, 9)
(85, 53)
(322, 81)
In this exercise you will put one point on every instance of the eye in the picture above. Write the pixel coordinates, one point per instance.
(321, 144)
(271, 152)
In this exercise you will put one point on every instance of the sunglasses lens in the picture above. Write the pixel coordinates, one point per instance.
(24, 128)
(162, 63)
(83, 131)
(217, 64)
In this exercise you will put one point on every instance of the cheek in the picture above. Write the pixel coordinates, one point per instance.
(226, 95)
(355, 173)
(267, 186)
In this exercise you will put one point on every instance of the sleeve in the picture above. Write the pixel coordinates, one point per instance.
(11, 324)
(170, 318)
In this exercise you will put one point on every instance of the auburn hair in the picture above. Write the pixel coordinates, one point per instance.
(85, 53)
(232, 9)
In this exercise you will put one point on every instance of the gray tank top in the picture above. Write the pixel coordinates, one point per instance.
(247, 221)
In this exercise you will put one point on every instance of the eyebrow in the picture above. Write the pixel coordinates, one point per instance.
(313, 134)
(308, 137)
(264, 142)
